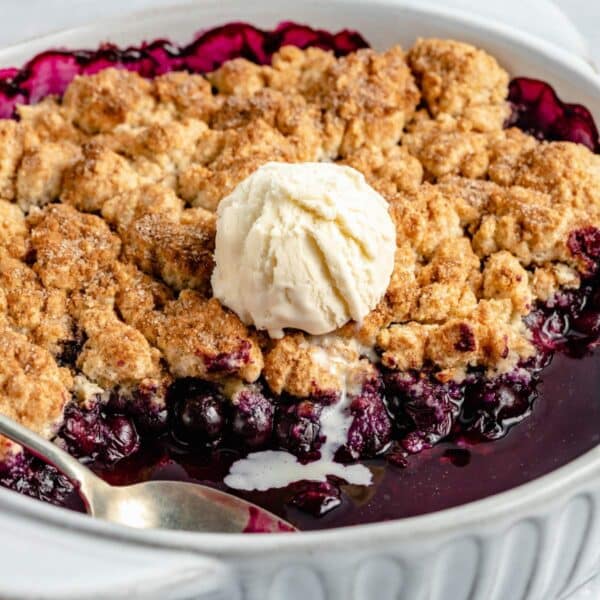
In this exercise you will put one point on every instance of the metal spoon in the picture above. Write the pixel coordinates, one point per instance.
(153, 504)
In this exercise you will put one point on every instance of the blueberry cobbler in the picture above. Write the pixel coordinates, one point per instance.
(344, 284)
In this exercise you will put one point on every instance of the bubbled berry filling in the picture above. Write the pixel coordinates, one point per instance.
(30, 476)
(424, 409)
(94, 434)
(52, 71)
(538, 110)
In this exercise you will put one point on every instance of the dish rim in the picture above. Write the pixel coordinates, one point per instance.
(484, 512)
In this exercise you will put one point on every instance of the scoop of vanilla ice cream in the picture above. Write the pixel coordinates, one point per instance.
(308, 246)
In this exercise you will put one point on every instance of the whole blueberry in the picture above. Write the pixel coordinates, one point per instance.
(422, 407)
(93, 433)
(121, 438)
(199, 412)
(298, 428)
(82, 430)
(252, 417)
(493, 406)
(371, 428)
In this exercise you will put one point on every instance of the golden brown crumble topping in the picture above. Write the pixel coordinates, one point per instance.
(459, 80)
(115, 353)
(33, 389)
(303, 368)
(107, 224)
(102, 102)
(11, 150)
(70, 247)
(199, 338)
(13, 229)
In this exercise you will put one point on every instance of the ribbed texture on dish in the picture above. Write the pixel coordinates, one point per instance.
(532, 558)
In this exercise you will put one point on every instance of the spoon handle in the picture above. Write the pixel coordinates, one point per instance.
(50, 453)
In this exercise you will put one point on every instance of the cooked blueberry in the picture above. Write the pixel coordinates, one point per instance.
(423, 408)
(371, 428)
(32, 477)
(82, 430)
(538, 110)
(584, 243)
(554, 328)
(549, 328)
(92, 434)
(298, 428)
(493, 406)
(252, 417)
(202, 417)
(121, 438)
(145, 404)
(199, 412)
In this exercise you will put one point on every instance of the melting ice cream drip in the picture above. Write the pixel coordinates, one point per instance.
(276, 468)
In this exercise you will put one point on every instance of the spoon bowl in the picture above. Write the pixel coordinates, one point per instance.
(181, 505)
(152, 504)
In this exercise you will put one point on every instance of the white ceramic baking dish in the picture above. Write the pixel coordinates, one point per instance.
(538, 541)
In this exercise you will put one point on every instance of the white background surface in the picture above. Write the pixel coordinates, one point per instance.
(23, 19)
(586, 15)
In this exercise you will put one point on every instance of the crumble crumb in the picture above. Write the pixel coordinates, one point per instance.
(99, 103)
(460, 80)
(181, 255)
(39, 313)
(11, 150)
(97, 177)
(122, 210)
(504, 277)
(389, 170)
(238, 77)
(39, 177)
(14, 232)
(199, 338)
(70, 247)
(185, 95)
(115, 353)
(46, 122)
(306, 366)
(373, 95)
